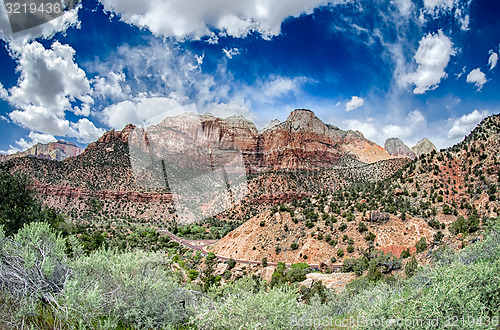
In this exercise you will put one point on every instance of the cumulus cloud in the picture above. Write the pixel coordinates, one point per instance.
(354, 103)
(51, 79)
(142, 111)
(33, 139)
(432, 57)
(113, 86)
(51, 83)
(367, 127)
(477, 78)
(492, 60)
(465, 124)
(414, 121)
(199, 18)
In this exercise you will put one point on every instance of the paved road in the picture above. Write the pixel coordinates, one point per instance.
(202, 244)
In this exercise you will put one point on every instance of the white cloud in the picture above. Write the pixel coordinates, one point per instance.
(198, 18)
(432, 57)
(465, 124)
(458, 8)
(230, 52)
(367, 127)
(434, 5)
(224, 110)
(111, 87)
(268, 90)
(477, 78)
(354, 103)
(414, 121)
(51, 79)
(278, 86)
(142, 111)
(34, 138)
(42, 120)
(492, 60)
(3, 92)
(41, 138)
(85, 131)
(396, 131)
(50, 83)
(405, 7)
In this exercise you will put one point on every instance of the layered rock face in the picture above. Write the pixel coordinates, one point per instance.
(303, 141)
(54, 151)
(423, 146)
(396, 147)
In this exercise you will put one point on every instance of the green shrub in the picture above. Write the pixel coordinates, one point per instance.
(340, 253)
(370, 237)
(421, 245)
(411, 267)
(362, 227)
(133, 289)
(405, 254)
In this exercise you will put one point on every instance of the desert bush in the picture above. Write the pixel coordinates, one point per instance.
(421, 245)
(134, 289)
(247, 310)
(33, 265)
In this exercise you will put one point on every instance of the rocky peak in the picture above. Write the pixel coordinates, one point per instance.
(396, 147)
(272, 124)
(303, 119)
(423, 146)
(113, 135)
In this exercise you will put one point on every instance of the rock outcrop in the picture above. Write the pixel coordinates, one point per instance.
(423, 146)
(396, 147)
(59, 151)
(272, 124)
(301, 142)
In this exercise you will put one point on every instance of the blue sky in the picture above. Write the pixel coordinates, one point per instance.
(410, 69)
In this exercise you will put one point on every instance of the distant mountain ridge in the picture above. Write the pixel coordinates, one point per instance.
(423, 146)
(302, 141)
(59, 151)
(396, 147)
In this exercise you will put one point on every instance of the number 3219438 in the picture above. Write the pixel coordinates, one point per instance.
(471, 321)
(33, 8)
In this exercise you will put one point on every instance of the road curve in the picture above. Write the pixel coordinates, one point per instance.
(202, 249)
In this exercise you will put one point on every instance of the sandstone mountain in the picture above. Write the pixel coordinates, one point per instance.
(396, 147)
(423, 146)
(59, 151)
(298, 157)
(301, 142)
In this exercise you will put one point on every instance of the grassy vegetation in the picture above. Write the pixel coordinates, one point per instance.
(140, 290)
